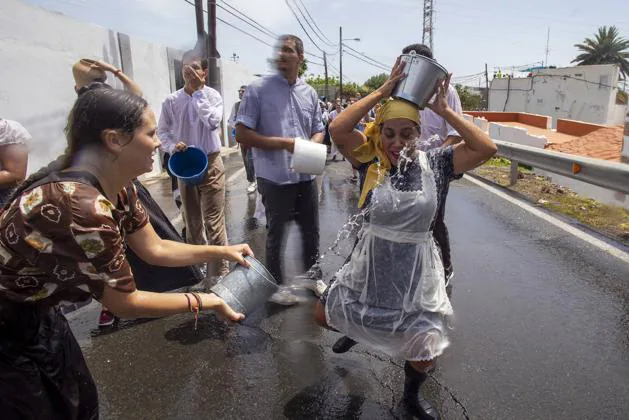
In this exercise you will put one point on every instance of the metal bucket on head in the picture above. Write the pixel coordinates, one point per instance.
(423, 76)
(246, 289)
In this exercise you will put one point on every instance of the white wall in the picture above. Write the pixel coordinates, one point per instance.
(617, 114)
(38, 49)
(558, 93)
(234, 75)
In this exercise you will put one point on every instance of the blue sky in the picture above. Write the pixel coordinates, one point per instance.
(467, 34)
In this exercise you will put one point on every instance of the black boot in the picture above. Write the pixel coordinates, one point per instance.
(413, 399)
(343, 344)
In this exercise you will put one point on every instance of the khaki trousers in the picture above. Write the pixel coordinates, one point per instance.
(203, 206)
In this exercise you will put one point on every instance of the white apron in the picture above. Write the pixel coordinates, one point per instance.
(391, 294)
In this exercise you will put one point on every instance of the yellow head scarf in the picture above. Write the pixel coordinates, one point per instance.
(372, 149)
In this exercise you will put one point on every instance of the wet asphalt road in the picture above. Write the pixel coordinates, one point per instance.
(541, 331)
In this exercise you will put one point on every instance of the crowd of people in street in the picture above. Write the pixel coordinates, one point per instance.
(84, 226)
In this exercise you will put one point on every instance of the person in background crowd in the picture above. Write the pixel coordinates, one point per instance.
(14, 141)
(67, 226)
(274, 111)
(92, 73)
(391, 294)
(333, 114)
(192, 117)
(247, 154)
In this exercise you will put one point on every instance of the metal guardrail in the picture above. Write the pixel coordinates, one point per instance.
(614, 176)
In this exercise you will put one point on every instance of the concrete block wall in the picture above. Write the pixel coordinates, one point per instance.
(517, 135)
(495, 130)
(482, 123)
(576, 128)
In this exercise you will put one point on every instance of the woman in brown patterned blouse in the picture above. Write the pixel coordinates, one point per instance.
(63, 235)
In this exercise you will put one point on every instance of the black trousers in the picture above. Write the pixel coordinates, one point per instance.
(441, 236)
(42, 371)
(247, 158)
(284, 203)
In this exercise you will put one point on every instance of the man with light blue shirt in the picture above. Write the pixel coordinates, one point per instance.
(274, 111)
(192, 117)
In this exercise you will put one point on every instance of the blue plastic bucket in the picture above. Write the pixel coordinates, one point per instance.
(189, 165)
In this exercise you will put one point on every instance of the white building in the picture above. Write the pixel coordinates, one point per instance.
(37, 51)
(584, 93)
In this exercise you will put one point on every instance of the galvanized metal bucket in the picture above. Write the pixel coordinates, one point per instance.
(246, 289)
(423, 75)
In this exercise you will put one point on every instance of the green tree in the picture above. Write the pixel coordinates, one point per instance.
(469, 101)
(374, 82)
(607, 47)
(303, 68)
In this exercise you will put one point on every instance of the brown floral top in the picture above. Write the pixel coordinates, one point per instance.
(63, 241)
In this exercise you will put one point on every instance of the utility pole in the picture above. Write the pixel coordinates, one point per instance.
(198, 12)
(341, 64)
(325, 67)
(547, 50)
(486, 88)
(214, 79)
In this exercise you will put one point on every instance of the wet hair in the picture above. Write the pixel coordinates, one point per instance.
(299, 44)
(94, 111)
(420, 49)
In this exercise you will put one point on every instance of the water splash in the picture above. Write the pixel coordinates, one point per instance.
(352, 227)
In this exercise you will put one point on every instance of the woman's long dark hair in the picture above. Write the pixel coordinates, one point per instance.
(93, 112)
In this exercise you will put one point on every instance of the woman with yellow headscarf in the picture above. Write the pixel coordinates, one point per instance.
(391, 292)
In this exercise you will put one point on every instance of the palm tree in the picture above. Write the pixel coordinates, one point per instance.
(608, 47)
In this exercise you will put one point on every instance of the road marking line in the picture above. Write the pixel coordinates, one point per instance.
(235, 175)
(610, 249)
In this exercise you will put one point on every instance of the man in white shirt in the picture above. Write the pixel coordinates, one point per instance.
(192, 117)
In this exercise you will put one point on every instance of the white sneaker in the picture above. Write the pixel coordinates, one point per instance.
(284, 297)
(318, 287)
(252, 187)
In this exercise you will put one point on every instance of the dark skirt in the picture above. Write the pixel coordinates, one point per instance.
(150, 277)
(43, 374)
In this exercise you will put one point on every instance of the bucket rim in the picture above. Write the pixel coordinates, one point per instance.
(430, 60)
(191, 177)
(259, 268)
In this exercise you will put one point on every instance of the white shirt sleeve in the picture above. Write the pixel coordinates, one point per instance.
(455, 103)
(12, 132)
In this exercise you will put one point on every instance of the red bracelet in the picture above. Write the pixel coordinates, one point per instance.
(189, 302)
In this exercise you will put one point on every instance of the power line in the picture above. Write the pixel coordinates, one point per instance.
(249, 21)
(310, 25)
(235, 27)
(304, 29)
(325, 39)
(366, 56)
(365, 61)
